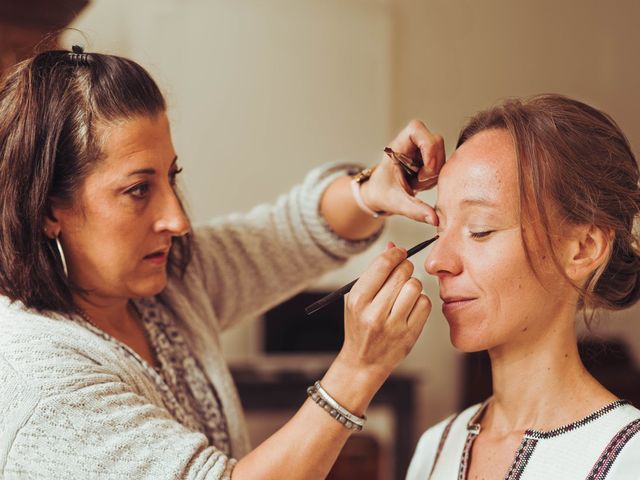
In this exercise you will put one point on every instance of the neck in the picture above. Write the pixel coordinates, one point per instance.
(108, 314)
(541, 383)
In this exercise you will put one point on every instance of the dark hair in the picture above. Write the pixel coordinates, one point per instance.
(575, 160)
(51, 106)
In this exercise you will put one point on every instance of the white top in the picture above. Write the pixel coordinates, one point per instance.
(75, 405)
(603, 445)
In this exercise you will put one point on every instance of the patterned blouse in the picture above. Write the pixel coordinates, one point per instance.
(187, 393)
(190, 397)
(602, 445)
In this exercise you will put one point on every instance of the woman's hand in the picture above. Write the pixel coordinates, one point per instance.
(384, 315)
(388, 190)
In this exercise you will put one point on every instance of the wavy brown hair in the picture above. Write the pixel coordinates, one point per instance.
(51, 106)
(574, 160)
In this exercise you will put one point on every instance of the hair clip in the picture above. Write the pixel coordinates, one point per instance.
(78, 56)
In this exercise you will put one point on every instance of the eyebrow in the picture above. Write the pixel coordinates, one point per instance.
(473, 202)
(150, 171)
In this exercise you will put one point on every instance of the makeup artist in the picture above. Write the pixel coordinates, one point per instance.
(111, 304)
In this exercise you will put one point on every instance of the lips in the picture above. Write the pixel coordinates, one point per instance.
(455, 302)
(158, 257)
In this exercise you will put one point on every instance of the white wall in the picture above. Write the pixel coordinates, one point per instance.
(273, 88)
(452, 58)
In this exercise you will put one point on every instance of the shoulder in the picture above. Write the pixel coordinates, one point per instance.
(47, 352)
(432, 440)
(622, 455)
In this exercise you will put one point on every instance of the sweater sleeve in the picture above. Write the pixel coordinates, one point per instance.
(251, 262)
(97, 428)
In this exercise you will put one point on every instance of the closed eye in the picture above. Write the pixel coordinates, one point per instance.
(479, 235)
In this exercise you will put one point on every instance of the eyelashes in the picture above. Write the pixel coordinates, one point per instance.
(141, 190)
(476, 235)
(480, 235)
(174, 174)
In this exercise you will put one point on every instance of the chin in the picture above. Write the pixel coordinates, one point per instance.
(467, 339)
(149, 286)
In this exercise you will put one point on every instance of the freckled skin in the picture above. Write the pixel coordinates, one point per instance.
(488, 268)
(480, 258)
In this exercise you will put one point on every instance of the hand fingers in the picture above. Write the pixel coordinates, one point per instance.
(417, 137)
(418, 316)
(433, 155)
(386, 296)
(406, 299)
(375, 276)
(412, 207)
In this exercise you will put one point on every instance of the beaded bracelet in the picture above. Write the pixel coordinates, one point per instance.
(333, 408)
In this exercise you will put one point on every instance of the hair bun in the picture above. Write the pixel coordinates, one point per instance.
(619, 285)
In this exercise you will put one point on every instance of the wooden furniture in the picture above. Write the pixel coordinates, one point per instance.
(26, 24)
(286, 390)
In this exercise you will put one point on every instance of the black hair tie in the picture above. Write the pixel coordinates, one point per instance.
(78, 56)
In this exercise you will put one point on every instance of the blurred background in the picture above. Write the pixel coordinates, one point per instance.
(261, 92)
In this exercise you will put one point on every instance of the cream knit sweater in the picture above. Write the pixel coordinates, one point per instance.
(73, 405)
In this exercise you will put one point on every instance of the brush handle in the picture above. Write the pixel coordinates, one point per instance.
(333, 296)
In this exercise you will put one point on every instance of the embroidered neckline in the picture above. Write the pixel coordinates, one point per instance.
(474, 426)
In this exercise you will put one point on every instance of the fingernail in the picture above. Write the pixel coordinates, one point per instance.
(390, 245)
(424, 176)
(428, 220)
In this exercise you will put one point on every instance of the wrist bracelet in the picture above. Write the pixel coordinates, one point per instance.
(333, 408)
(356, 182)
(355, 189)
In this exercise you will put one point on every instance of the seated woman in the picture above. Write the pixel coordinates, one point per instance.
(536, 208)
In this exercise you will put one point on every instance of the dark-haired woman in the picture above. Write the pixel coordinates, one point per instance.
(111, 306)
(536, 209)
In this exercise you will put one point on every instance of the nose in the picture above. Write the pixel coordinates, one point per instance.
(444, 258)
(173, 218)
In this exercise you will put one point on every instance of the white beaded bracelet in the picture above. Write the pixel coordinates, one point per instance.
(333, 408)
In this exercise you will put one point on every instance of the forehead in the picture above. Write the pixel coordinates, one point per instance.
(483, 168)
(140, 139)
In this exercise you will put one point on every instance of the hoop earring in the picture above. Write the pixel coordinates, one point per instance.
(63, 260)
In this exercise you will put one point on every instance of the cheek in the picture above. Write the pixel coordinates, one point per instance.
(109, 240)
(505, 280)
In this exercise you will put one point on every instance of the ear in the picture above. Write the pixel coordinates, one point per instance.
(588, 247)
(51, 223)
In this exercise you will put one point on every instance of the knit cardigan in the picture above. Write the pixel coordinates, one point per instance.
(74, 405)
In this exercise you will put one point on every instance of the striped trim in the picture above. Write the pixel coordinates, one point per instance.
(536, 434)
(609, 455)
(443, 438)
(525, 451)
(473, 427)
(466, 453)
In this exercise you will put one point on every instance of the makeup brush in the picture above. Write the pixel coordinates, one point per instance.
(333, 296)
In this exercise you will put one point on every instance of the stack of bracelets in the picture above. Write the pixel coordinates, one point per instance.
(333, 408)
